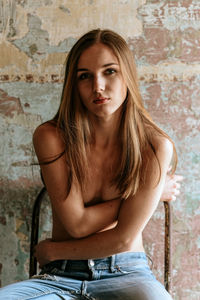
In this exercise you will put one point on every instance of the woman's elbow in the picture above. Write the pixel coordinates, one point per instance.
(124, 243)
(78, 232)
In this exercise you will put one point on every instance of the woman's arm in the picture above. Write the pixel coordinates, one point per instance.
(134, 214)
(77, 219)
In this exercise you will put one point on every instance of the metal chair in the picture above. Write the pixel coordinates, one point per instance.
(167, 242)
(35, 230)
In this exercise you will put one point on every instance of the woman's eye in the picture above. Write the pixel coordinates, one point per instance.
(110, 71)
(84, 76)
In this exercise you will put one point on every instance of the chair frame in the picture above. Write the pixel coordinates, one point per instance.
(167, 242)
(35, 230)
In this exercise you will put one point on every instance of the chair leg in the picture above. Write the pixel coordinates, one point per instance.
(35, 231)
(168, 245)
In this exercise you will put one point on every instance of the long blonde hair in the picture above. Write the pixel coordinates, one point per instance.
(72, 117)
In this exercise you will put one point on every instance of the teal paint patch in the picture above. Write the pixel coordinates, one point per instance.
(42, 99)
(198, 242)
(192, 203)
(22, 267)
(35, 36)
(36, 42)
(34, 4)
(196, 158)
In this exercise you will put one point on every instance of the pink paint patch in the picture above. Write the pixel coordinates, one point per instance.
(9, 105)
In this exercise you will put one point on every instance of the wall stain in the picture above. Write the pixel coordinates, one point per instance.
(35, 39)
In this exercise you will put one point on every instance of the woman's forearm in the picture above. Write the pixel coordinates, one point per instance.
(97, 217)
(98, 245)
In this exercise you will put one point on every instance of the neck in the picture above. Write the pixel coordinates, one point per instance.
(106, 131)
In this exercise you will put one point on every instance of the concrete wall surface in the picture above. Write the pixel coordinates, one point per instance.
(35, 37)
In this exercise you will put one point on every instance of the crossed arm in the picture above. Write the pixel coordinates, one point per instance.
(84, 223)
(78, 220)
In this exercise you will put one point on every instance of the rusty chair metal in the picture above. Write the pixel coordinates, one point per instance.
(35, 230)
(167, 242)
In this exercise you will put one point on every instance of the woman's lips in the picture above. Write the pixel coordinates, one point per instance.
(101, 100)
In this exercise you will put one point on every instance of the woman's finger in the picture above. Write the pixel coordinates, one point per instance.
(177, 192)
(169, 169)
(178, 177)
(173, 197)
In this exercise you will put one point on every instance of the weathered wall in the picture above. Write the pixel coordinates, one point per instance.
(35, 37)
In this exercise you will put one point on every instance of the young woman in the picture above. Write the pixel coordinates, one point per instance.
(104, 163)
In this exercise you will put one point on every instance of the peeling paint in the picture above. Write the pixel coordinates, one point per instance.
(35, 38)
(172, 14)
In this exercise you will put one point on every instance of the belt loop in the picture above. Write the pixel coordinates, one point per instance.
(112, 263)
(63, 265)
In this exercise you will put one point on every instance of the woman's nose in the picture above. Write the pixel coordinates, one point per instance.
(98, 84)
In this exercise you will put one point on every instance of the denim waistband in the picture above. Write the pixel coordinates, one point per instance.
(122, 259)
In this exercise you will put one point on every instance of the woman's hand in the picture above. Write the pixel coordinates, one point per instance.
(42, 252)
(171, 188)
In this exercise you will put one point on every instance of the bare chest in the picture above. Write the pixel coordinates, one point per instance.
(98, 185)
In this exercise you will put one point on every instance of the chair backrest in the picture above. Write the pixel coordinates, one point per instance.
(168, 246)
(35, 230)
(167, 242)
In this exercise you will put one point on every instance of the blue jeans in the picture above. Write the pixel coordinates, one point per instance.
(122, 276)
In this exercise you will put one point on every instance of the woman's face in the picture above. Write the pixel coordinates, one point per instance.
(99, 80)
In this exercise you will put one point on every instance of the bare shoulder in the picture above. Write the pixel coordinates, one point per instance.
(163, 146)
(163, 153)
(157, 160)
(47, 141)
